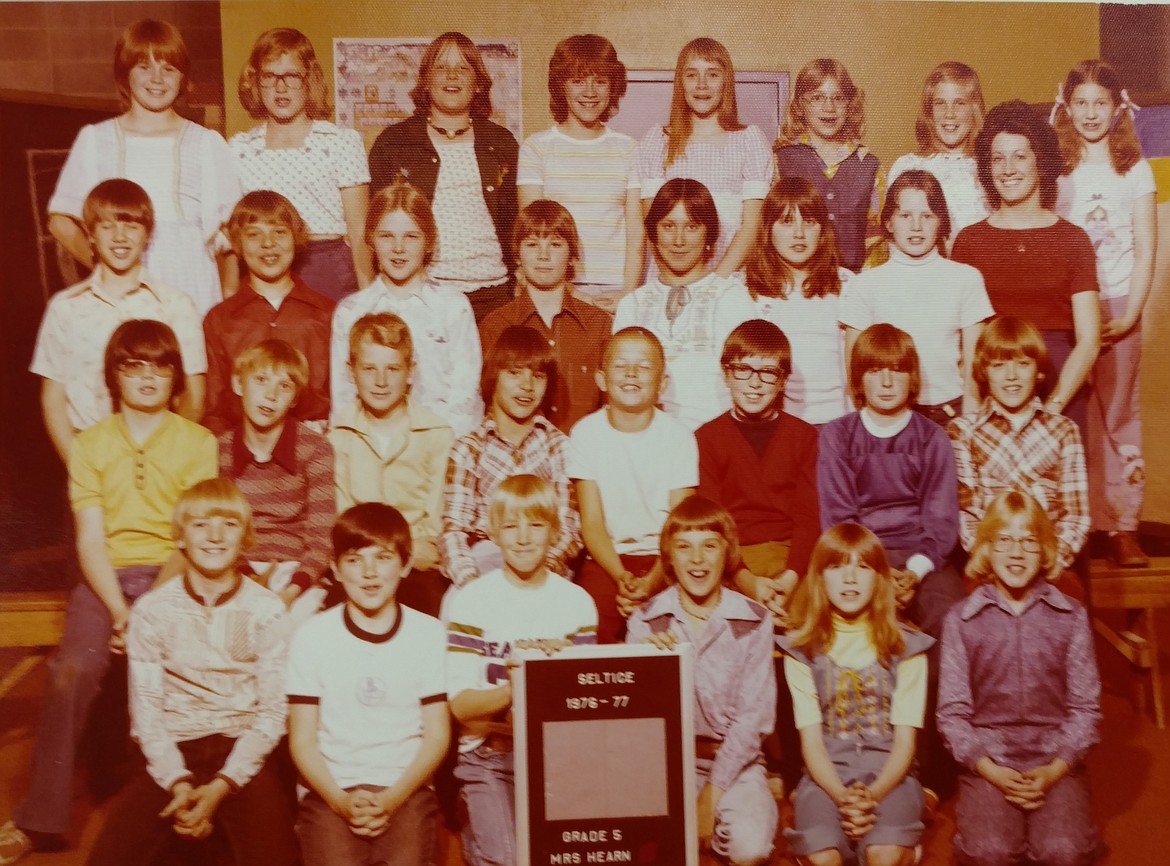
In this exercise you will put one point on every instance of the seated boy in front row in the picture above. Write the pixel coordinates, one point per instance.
(207, 658)
(285, 470)
(125, 474)
(735, 688)
(519, 606)
(367, 695)
(515, 438)
(632, 464)
(760, 463)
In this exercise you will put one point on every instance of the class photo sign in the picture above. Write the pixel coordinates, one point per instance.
(604, 740)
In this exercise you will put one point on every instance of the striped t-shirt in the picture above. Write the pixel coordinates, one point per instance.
(591, 178)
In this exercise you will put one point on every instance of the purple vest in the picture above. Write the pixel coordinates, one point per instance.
(847, 193)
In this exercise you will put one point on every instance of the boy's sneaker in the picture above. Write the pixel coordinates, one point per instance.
(14, 844)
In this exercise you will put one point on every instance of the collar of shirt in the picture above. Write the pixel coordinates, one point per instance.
(524, 311)
(357, 419)
(300, 293)
(378, 291)
(93, 285)
(257, 136)
(284, 452)
(856, 148)
(899, 257)
(732, 606)
(986, 595)
(489, 429)
(991, 409)
(222, 599)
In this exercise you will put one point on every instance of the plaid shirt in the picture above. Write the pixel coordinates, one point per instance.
(1045, 459)
(478, 463)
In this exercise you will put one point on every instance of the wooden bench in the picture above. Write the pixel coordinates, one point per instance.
(32, 621)
(1142, 590)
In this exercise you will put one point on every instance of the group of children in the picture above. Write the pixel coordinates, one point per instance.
(525, 441)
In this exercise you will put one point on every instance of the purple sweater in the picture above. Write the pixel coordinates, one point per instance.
(903, 488)
(1022, 688)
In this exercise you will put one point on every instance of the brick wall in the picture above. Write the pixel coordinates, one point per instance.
(68, 48)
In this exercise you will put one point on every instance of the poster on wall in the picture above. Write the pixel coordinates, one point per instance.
(605, 754)
(372, 80)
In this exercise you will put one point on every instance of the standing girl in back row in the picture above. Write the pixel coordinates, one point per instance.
(186, 168)
(1108, 190)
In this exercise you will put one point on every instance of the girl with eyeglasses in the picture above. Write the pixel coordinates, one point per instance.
(318, 166)
(187, 169)
(1019, 698)
(821, 142)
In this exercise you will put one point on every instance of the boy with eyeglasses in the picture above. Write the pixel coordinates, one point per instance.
(759, 463)
(125, 475)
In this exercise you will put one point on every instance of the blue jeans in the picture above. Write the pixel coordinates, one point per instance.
(487, 780)
(410, 839)
(75, 675)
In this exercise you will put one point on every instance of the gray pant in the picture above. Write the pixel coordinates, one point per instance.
(487, 782)
(410, 838)
(75, 675)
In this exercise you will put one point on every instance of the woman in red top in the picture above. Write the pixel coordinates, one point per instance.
(1035, 264)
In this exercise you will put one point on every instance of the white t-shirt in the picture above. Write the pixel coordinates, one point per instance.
(1101, 201)
(369, 690)
(693, 343)
(958, 175)
(816, 390)
(491, 617)
(591, 178)
(635, 473)
(469, 255)
(932, 299)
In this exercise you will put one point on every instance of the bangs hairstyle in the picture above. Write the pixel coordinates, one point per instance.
(143, 340)
(518, 347)
(929, 186)
(768, 274)
(145, 39)
(696, 200)
(760, 338)
(381, 329)
(634, 332)
(964, 76)
(1124, 149)
(681, 124)
(1006, 338)
(811, 607)
(545, 218)
(266, 206)
(276, 356)
(420, 95)
(269, 48)
(883, 347)
(524, 496)
(579, 57)
(1018, 118)
(215, 497)
(699, 514)
(408, 199)
(1002, 510)
(117, 199)
(371, 524)
(811, 76)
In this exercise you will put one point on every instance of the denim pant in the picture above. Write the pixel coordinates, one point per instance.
(75, 675)
(410, 839)
(488, 786)
(747, 817)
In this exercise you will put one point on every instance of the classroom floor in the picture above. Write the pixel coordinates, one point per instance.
(1130, 771)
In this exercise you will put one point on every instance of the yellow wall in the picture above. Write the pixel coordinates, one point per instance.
(1020, 50)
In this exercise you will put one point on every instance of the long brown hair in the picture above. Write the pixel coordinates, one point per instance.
(270, 46)
(481, 102)
(1124, 149)
(768, 275)
(679, 130)
(839, 546)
